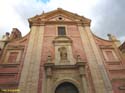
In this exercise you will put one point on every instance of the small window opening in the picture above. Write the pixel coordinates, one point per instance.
(60, 18)
(61, 31)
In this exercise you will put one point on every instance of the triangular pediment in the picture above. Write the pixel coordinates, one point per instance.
(59, 15)
(68, 16)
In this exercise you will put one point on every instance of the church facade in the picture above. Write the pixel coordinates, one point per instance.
(60, 54)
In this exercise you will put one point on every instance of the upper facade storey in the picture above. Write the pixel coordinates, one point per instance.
(59, 16)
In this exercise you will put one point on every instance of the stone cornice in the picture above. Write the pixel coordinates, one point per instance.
(35, 23)
(106, 46)
(8, 65)
(9, 84)
(19, 47)
(52, 65)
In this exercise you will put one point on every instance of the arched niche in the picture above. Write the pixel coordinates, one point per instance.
(63, 50)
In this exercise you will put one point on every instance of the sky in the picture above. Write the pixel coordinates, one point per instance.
(107, 16)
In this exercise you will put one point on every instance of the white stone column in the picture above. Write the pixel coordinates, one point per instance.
(30, 71)
(94, 59)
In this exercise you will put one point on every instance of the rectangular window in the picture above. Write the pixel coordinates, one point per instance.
(110, 56)
(61, 31)
(12, 57)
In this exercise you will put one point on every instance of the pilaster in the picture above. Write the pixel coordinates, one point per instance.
(83, 75)
(94, 61)
(30, 72)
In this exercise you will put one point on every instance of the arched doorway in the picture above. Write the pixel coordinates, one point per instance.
(66, 87)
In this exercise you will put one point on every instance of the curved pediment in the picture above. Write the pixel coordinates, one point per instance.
(58, 15)
(62, 39)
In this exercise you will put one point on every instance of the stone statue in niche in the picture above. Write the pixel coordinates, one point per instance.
(63, 53)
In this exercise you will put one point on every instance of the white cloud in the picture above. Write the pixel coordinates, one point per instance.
(14, 13)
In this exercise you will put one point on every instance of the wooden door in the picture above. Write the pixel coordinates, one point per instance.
(66, 88)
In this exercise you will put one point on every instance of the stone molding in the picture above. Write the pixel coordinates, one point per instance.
(9, 65)
(62, 39)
